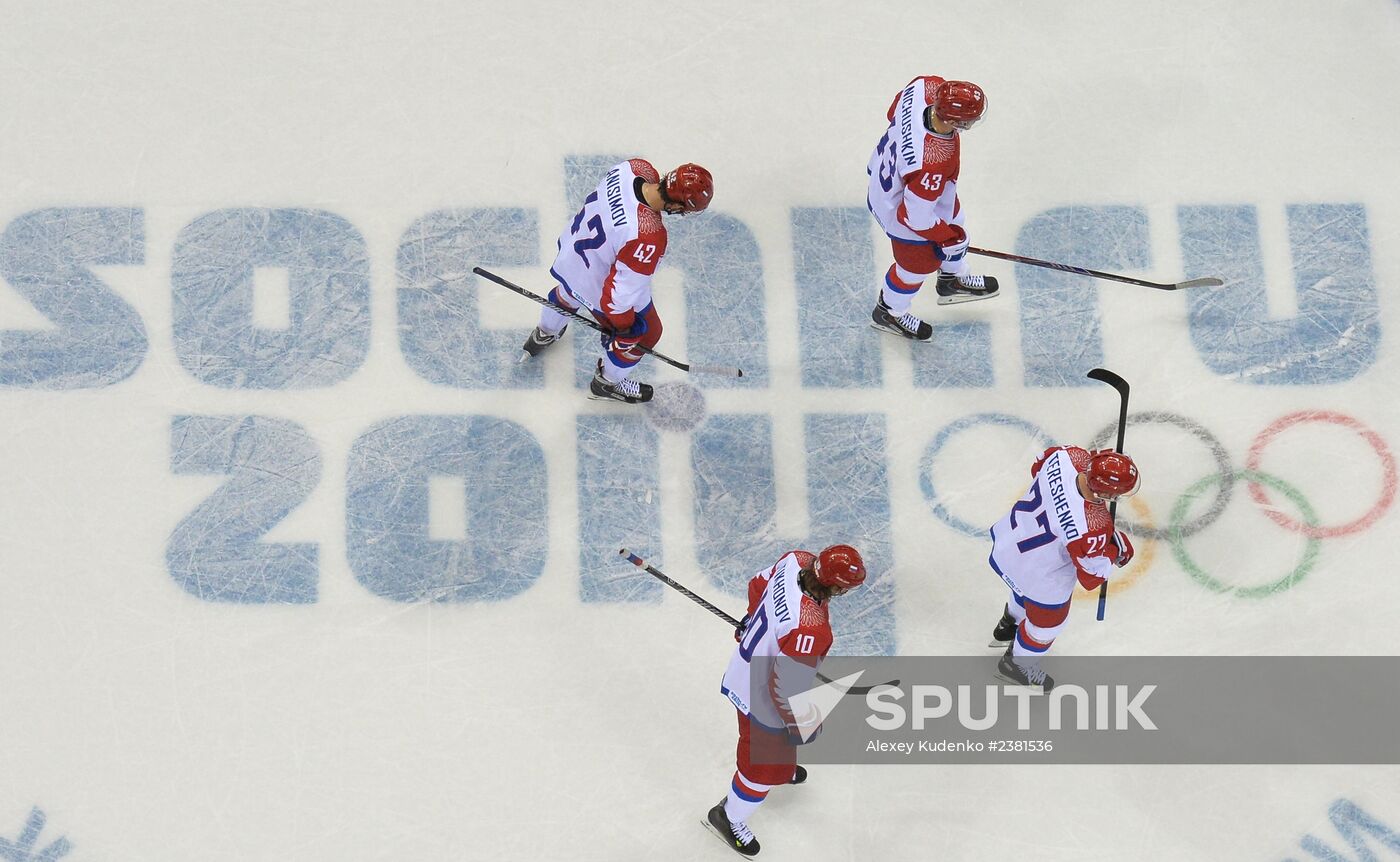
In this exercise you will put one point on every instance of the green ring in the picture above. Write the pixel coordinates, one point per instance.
(1178, 542)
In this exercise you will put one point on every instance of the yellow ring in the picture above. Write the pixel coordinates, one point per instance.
(1142, 557)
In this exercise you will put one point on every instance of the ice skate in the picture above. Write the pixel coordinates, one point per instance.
(1005, 630)
(737, 836)
(965, 288)
(538, 341)
(627, 391)
(1024, 670)
(800, 776)
(906, 325)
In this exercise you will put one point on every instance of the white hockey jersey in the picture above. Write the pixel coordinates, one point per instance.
(913, 190)
(1053, 535)
(609, 252)
(788, 635)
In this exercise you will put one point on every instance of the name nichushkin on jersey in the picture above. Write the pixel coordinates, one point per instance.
(906, 129)
(1056, 480)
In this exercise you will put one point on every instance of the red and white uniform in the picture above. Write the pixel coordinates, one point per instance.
(787, 636)
(913, 190)
(609, 252)
(783, 622)
(1050, 538)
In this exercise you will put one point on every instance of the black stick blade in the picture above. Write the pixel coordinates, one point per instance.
(1106, 376)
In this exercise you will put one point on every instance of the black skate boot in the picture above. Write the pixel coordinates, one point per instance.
(906, 325)
(965, 288)
(800, 776)
(538, 341)
(738, 836)
(1005, 630)
(627, 391)
(1024, 670)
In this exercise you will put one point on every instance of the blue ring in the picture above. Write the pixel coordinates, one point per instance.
(926, 463)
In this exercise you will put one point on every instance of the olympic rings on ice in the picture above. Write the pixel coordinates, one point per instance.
(1255, 478)
(1311, 529)
(1178, 528)
(940, 510)
(1225, 470)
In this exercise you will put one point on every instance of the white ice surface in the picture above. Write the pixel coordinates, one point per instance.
(150, 725)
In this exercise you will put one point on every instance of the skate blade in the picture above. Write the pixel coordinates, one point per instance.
(898, 331)
(524, 357)
(728, 842)
(996, 644)
(1011, 680)
(611, 400)
(1040, 687)
(965, 297)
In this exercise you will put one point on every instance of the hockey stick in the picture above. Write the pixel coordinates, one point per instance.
(1121, 385)
(666, 579)
(1094, 273)
(722, 370)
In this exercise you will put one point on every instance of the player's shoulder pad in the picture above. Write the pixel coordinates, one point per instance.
(805, 559)
(931, 83)
(757, 584)
(651, 229)
(643, 168)
(1040, 462)
(1096, 521)
(1078, 456)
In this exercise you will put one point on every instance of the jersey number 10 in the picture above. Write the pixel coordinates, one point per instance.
(758, 627)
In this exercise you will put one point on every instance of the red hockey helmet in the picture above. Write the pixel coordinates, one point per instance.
(689, 185)
(960, 103)
(840, 567)
(1112, 474)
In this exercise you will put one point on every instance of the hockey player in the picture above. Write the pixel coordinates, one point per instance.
(607, 256)
(782, 639)
(913, 194)
(1058, 532)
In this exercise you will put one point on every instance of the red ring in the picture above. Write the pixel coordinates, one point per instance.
(1382, 451)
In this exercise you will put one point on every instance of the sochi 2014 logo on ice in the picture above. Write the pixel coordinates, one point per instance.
(54, 258)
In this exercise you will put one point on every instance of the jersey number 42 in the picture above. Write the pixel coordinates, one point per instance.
(595, 237)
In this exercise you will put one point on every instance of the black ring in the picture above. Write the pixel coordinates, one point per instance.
(1217, 451)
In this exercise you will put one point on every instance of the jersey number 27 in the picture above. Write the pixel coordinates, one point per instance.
(1033, 504)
